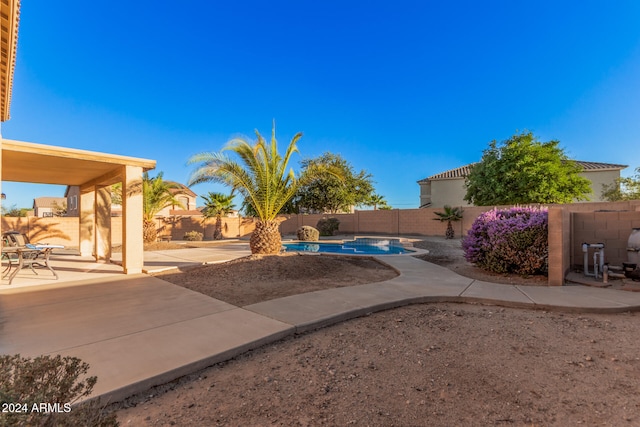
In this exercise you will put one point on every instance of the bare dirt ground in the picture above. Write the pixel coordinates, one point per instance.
(423, 365)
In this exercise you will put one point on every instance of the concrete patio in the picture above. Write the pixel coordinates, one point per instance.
(139, 331)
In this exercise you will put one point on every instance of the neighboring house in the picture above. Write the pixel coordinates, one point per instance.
(48, 206)
(447, 188)
(184, 195)
(72, 195)
(187, 198)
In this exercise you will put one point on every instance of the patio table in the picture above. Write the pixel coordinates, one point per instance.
(27, 256)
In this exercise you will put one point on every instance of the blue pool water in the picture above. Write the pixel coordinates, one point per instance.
(353, 248)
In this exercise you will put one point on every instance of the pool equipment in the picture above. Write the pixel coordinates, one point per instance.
(598, 258)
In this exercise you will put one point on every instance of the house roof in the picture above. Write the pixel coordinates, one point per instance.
(182, 190)
(463, 171)
(48, 202)
(9, 18)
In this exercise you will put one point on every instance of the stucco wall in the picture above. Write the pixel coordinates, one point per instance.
(598, 179)
(448, 192)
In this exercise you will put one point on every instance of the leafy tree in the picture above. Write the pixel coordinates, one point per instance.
(623, 188)
(217, 205)
(450, 214)
(14, 211)
(261, 177)
(525, 170)
(336, 190)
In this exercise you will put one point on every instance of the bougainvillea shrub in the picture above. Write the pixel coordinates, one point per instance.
(511, 240)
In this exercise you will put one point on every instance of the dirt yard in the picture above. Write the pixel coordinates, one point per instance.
(422, 365)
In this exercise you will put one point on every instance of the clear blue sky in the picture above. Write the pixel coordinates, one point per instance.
(403, 89)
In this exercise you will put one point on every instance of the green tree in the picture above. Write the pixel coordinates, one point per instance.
(336, 190)
(525, 170)
(261, 177)
(14, 211)
(217, 205)
(623, 188)
(450, 214)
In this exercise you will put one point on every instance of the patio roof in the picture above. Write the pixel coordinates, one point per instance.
(9, 17)
(47, 164)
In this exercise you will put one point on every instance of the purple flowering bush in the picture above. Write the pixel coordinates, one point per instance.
(511, 240)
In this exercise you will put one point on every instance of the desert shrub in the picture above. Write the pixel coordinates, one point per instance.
(307, 232)
(509, 241)
(193, 236)
(44, 390)
(328, 226)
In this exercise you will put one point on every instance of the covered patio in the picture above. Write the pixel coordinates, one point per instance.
(92, 172)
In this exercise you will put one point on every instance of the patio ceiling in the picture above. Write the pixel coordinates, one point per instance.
(47, 164)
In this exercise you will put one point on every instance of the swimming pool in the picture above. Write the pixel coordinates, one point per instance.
(352, 247)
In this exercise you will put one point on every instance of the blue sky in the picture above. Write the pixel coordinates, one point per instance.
(402, 89)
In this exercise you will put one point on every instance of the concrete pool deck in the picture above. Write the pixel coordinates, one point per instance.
(139, 331)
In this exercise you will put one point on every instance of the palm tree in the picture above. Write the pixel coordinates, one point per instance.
(157, 194)
(216, 205)
(262, 179)
(449, 214)
(376, 200)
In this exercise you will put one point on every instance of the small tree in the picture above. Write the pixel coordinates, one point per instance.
(623, 188)
(217, 205)
(523, 170)
(450, 214)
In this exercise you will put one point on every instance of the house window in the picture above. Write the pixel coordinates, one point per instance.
(47, 214)
(73, 203)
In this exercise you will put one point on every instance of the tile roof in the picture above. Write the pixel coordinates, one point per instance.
(48, 202)
(463, 171)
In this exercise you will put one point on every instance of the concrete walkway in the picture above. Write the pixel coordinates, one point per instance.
(139, 331)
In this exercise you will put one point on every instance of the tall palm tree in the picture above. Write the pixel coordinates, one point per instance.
(157, 194)
(450, 214)
(216, 205)
(262, 179)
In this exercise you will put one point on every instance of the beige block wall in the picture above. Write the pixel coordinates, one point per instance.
(56, 231)
(176, 227)
(611, 228)
(64, 230)
(559, 242)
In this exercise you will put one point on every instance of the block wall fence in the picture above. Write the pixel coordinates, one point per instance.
(65, 230)
(570, 225)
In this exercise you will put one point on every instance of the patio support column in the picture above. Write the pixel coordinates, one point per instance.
(86, 210)
(132, 244)
(103, 223)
